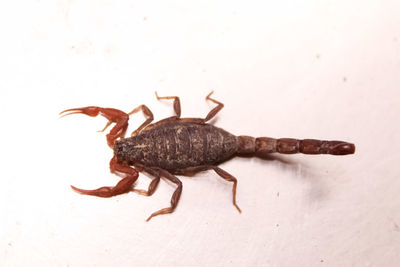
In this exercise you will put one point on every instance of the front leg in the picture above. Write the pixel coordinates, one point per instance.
(175, 196)
(153, 184)
(147, 113)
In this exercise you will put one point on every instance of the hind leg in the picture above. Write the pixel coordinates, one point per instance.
(226, 176)
(223, 174)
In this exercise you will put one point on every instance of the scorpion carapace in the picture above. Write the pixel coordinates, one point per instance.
(185, 146)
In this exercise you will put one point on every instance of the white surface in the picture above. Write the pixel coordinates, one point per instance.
(312, 69)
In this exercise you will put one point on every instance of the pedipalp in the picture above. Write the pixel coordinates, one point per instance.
(123, 186)
(113, 115)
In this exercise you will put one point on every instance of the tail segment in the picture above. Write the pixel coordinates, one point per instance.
(262, 146)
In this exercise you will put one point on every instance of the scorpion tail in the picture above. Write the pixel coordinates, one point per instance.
(262, 146)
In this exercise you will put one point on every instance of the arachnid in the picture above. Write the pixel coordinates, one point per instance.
(184, 146)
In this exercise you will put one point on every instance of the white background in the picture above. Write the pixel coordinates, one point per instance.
(304, 69)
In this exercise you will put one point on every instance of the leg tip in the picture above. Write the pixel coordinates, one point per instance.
(208, 96)
(237, 207)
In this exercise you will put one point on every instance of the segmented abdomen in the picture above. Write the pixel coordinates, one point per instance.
(174, 146)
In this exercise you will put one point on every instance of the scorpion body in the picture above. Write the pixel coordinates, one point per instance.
(176, 146)
(185, 146)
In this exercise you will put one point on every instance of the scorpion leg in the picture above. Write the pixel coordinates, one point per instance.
(153, 184)
(150, 191)
(226, 176)
(123, 186)
(223, 174)
(113, 115)
(177, 103)
(147, 113)
(215, 110)
(175, 196)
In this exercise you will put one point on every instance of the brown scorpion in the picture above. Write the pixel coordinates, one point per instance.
(184, 146)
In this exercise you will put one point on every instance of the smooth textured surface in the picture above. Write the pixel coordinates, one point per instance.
(298, 69)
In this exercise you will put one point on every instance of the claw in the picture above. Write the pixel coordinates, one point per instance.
(90, 111)
(123, 186)
(113, 115)
(100, 192)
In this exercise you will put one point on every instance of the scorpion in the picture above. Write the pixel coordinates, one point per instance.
(184, 146)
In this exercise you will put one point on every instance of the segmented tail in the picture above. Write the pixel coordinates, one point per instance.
(262, 146)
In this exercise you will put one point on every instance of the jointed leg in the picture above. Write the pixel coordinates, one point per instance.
(147, 113)
(150, 190)
(223, 174)
(215, 110)
(177, 108)
(226, 176)
(175, 196)
(123, 186)
(153, 184)
(177, 103)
